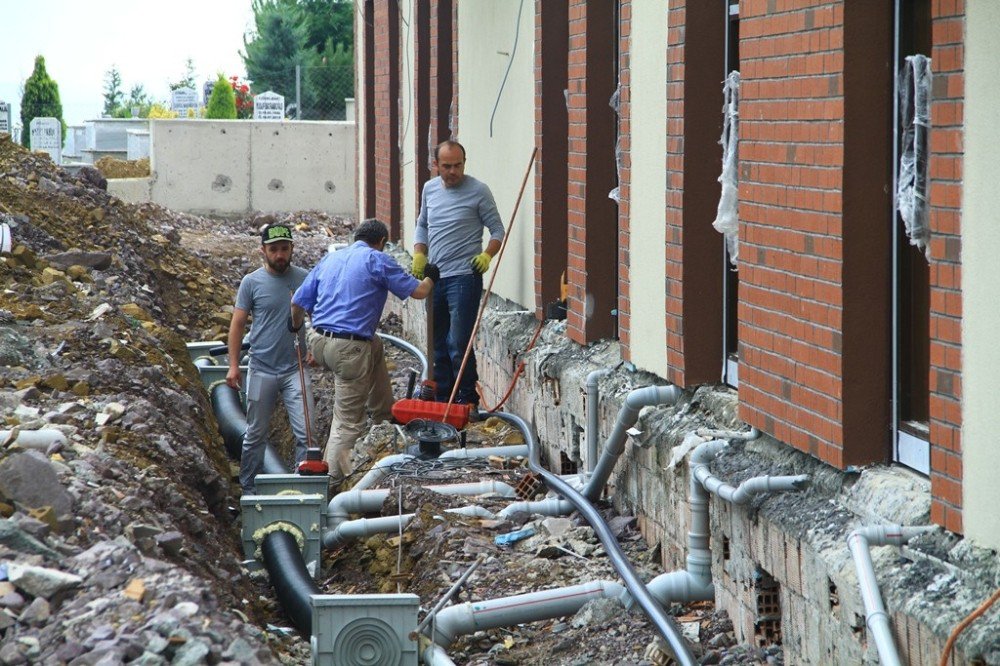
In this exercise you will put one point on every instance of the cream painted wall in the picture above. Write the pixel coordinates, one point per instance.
(407, 110)
(486, 32)
(980, 288)
(647, 208)
(359, 97)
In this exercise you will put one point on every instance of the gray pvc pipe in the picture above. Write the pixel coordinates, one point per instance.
(39, 440)
(351, 501)
(509, 451)
(743, 493)
(406, 346)
(875, 615)
(380, 469)
(550, 506)
(592, 391)
(627, 416)
(361, 528)
(467, 618)
(663, 623)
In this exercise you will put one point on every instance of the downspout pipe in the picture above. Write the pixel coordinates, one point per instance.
(467, 618)
(592, 392)
(875, 614)
(292, 583)
(411, 349)
(627, 416)
(654, 611)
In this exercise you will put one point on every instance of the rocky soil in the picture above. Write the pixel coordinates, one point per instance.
(119, 538)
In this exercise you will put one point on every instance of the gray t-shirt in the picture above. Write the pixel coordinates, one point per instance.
(267, 298)
(451, 223)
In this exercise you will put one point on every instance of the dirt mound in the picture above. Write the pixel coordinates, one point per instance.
(112, 168)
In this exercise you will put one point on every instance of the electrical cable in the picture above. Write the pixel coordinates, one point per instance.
(517, 373)
(510, 62)
(949, 646)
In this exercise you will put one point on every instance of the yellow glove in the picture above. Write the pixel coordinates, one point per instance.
(419, 263)
(481, 262)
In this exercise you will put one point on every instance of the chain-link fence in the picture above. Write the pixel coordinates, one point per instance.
(314, 92)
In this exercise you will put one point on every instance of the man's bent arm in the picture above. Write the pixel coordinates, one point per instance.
(237, 327)
(298, 316)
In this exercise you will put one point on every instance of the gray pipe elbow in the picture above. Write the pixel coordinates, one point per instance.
(652, 395)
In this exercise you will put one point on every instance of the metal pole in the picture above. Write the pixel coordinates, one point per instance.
(298, 92)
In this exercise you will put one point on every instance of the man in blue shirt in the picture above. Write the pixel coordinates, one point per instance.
(344, 296)
(454, 211)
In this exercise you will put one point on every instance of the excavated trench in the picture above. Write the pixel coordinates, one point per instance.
(129, 528)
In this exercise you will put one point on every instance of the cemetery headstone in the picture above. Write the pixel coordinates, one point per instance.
(269, 106)
(183, 99)
(46, 135)
(5, 125)
(207, 91)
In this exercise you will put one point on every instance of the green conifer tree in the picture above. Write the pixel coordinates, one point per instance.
(222, 103)
(40, 100)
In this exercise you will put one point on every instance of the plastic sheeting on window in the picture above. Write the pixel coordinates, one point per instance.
(615, 103)
(726, 220)
(915, 119)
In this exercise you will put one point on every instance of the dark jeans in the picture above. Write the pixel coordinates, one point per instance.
(456, 303)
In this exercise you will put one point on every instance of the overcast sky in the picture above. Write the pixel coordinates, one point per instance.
(149, 41)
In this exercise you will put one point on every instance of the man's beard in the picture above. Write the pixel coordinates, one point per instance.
(278, 265)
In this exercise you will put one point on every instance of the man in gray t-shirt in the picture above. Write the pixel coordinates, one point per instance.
(454, 211)
(265, 296)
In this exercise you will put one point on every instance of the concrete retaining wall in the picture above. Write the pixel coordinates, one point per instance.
(233, 168)
(782, 568)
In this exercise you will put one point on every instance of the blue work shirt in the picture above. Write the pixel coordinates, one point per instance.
(347, 290)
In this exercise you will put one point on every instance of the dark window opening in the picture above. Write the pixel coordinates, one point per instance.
(767, 628)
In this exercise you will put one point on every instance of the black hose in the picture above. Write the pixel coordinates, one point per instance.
(233, 425)
(654, 611)
(292, 583)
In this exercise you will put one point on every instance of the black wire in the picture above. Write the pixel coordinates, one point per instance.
(510, 61)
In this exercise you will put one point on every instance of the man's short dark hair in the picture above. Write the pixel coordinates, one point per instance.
(371, 231)
(448, 144)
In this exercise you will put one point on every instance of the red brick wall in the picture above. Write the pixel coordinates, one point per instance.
(946, 141)
(592, 216)
(624, 176)
(815, 234)
(387, 174)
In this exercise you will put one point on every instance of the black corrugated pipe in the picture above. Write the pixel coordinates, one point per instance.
(654, 611)
(233, 424)
(292, 582)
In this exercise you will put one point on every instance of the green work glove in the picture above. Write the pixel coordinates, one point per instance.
(419, 263)
(481, 262)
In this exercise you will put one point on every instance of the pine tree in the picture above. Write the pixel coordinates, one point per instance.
(222, 103)
(40, 100)
(113, 95)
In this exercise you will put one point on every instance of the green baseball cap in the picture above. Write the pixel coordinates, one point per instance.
(276, 232)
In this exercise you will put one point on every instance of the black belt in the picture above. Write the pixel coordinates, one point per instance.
(343, 336)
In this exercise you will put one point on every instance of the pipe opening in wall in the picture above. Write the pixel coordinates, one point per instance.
(566, 465)
(725, 548)
(834, 594)
(767, 628)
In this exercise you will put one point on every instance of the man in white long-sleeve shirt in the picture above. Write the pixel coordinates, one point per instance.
(454, 210)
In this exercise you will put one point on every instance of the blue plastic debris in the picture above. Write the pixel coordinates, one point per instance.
(512, 537)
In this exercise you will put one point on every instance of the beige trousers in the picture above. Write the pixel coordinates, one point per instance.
(361, 386)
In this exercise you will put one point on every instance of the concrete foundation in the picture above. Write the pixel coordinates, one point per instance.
(781, 565)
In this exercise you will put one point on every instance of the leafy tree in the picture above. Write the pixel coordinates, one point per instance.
(332, 79)
(222, 103)
(316, 34)
(187, 81)
(275, 48)
(113, 95)
(139, 99)
(40, 100)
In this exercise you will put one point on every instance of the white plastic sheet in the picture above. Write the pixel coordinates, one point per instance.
(915, 119)
(615, 103)
(726, 219)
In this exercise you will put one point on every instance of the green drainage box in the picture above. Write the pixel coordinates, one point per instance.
(364, 629)
(305, 512)
(292, 484)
